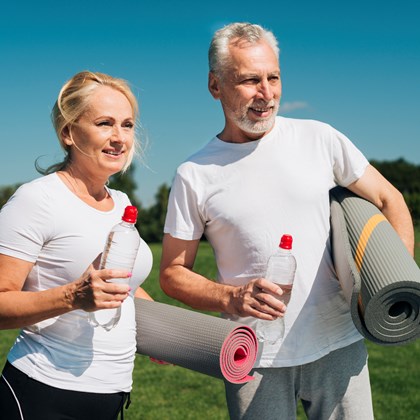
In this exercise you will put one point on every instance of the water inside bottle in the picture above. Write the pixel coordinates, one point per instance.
(106, 318)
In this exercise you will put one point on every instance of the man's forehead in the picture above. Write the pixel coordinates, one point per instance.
(252, 61)
(243, 43)
(240, 48)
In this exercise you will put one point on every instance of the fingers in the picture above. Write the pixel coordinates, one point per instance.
(260, 299)
(110, 285)
(268, 286)
(101, 289)
(114, 275)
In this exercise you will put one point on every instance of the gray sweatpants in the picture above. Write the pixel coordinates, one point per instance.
(336, 386)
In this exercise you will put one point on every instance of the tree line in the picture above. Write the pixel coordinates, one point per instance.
(404, 175)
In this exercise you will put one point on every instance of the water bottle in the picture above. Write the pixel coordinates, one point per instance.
(120, 253)
(281, 270)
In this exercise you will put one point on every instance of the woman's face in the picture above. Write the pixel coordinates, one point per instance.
(103, 136)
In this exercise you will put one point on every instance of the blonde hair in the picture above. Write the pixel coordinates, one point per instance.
(73, 101)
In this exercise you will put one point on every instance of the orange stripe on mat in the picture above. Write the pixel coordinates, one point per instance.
(368, 228)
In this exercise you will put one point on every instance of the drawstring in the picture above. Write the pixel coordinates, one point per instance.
(13, 393)
(127, 401)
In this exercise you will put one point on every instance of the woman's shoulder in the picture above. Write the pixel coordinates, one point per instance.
(37, 190)
(119, 196)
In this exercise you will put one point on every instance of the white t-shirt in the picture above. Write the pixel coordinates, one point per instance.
(45, 223)
(243, 197)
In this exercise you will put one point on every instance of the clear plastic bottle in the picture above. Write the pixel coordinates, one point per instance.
(120, 252)
(281, 269)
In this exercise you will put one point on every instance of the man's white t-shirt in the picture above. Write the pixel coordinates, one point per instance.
(243, 197)
(45, 223)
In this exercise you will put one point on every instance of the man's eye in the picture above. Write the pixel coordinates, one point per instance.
(250, 81)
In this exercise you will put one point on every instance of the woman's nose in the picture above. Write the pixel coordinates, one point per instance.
(117, 134)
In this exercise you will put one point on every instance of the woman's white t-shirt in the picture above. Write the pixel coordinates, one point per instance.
(46, 224)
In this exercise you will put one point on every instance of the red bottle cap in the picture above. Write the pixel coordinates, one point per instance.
(130, 214)
(286, 242)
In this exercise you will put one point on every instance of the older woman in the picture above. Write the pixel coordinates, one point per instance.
(51, 232)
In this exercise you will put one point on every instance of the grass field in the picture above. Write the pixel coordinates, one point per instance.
(171, 392)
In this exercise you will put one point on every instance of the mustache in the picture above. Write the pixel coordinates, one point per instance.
(264, 104)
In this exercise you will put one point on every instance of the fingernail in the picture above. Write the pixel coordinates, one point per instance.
(129, 274)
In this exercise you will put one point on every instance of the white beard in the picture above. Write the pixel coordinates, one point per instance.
(240, 118)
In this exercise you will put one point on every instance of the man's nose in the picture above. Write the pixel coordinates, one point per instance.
(265, 90)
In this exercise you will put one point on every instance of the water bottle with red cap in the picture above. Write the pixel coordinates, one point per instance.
(281, 269)
(120, 252)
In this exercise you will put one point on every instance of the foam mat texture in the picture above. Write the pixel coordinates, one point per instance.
(379, 278)
(196, 341)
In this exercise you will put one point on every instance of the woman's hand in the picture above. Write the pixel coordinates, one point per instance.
(95, 289)
(92, 291)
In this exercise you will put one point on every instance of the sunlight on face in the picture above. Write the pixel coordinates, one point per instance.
(105, 132)
(250, 94)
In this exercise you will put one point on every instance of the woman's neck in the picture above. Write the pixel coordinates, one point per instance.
(89, 190)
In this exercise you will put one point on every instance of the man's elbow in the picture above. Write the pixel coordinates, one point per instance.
(166, 280)
(393, 201)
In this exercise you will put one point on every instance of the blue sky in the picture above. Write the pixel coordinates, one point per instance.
(355, 65)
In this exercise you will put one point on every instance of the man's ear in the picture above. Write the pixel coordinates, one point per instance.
(214, 85)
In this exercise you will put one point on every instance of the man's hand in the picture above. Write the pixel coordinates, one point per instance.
(258, 298)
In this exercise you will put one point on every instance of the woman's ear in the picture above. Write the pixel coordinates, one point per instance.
(214, 85)
(66, 136)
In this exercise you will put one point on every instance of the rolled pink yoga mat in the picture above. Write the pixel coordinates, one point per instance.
(207, 344)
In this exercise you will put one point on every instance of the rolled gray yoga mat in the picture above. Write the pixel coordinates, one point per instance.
(196, 341)
(380, 279)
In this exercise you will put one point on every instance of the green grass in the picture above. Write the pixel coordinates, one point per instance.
(171, 392)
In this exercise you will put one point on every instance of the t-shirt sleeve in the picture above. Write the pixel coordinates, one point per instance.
(183, 218)
(25, 223)
(349, 162)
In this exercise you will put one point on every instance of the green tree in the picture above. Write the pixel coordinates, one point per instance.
(405, 177)
(125, 182)
(6, 192)
(152, 220)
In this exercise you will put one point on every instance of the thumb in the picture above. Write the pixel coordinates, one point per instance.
(97, 262)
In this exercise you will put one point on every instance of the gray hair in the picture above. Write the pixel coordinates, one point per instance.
(219, 57)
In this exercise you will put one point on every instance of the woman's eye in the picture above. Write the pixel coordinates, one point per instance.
(104, 123)
(129, 125)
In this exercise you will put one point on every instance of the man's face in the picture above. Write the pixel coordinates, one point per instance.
(249, 91)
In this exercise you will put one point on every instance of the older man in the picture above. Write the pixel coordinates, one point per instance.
(263, 176)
